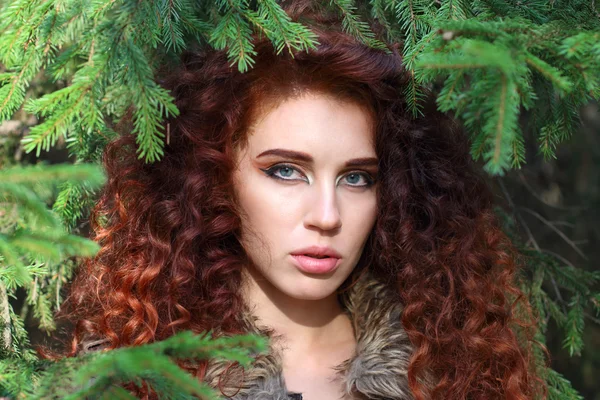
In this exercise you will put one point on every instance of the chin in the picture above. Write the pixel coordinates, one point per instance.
(310, 289)
(310, 296)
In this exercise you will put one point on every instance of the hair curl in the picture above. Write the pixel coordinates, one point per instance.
(170, 259)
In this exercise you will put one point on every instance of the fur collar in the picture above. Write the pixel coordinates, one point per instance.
(378, 370)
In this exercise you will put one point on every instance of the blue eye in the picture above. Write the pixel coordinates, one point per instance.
(286, 171)
(355, 175)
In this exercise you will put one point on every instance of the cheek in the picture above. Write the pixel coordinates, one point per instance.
(363, 215)
(264, 212)
(363, 208)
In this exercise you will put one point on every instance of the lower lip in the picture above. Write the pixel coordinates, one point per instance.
(313, 265)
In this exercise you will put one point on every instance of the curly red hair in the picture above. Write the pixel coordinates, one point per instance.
(170, 259)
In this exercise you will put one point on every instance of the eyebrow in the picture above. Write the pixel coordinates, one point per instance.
(299, 156)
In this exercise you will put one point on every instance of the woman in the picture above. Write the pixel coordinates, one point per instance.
(300, 200)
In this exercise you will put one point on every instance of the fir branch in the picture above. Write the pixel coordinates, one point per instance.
(152, 102)
(518, 151)
(71, 104)
(553, 309)
(26, 198)
(99, 374)
(70, 203)
(549, 72)
(283, 32)
(42, 306)
(573, 341)
(9, 54)
(234, 32)
(506, 122)
(92, 175)
(378, 12)
(448, 95)
(547, 141)
(172, 32)
(352, 24)
(12, 95)
(15, 276)
(16, 376)
(11, 259)
(559, 388)
(413, 92)
(453, 10)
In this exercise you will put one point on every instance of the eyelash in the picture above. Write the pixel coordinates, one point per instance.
(271, 173)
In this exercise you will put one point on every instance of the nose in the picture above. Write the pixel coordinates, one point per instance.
(323, 211)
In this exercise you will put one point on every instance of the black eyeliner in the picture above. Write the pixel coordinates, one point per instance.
(270, 172)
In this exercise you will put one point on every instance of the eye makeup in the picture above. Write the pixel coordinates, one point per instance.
(272, 173)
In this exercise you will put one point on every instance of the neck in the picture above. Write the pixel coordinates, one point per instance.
(303, 324)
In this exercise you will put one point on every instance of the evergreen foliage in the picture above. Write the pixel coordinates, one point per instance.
(488, 61)
(97, 375)
(34, 254)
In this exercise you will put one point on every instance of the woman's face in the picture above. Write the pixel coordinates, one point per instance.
(311, 195)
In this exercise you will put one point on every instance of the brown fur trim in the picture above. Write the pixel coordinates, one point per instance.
(378, 370)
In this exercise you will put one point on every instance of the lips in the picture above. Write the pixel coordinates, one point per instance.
(317, 252)
(313, 265)
(316, 259)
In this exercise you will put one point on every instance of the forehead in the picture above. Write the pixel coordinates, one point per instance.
(316, 123)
